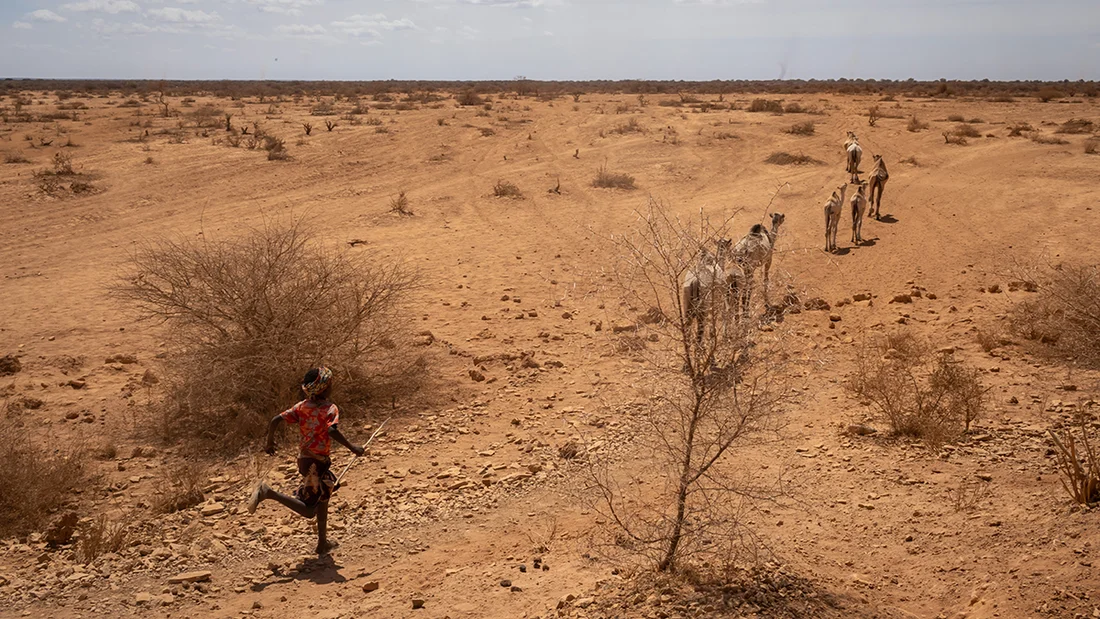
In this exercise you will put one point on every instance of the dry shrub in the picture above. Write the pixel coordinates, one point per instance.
(1049, 94)
(400, 205)
(1077, 126)
(990, 340)
(276, 148)
(179, 489)
(1078, 462)
(766, 105)
(470, 97)
(873, 115)
(1065, 311)
(507, 189)
(630, 126)
(726, 135)
(13, 157)
(919, 393)
(1092, 146)
(1019, 129)
(968, 495)
(956, 118)
(487, 132)
(1041, 138)
(782, 158)
(795, 108)
(36, 481)
(954, 138)
(915, 124)
(247, 316)
(612, 180)
(99, 537)
(966, 131)
(806, 128)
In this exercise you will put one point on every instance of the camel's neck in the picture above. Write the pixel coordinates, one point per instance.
(773, 232)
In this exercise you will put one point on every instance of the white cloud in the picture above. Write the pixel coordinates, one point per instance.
(283, 7)
(373, 25)
(183, 16)
(45, 15)
(303, 31)
(21, 25)
(113, 7)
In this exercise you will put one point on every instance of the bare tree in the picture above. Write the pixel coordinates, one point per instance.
(330, 124)
(704, 399)
(308, 127)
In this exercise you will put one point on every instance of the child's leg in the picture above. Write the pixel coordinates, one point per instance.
(295, 505)
(322, 528)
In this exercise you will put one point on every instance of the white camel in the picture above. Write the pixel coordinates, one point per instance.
(833, 207)
(879, 176)
(702, 287)
(859, 205)
(855, 154)
(754, 250)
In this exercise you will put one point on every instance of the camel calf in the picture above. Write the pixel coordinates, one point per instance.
(832, 216)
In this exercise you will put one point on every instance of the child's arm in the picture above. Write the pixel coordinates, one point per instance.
(335, 434)
(275, 421)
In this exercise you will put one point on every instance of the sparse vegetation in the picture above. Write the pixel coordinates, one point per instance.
(919, 392)
(1042, 138)
(607, 179)
(470, 97)
(1078, 462)
(1092, 146)
(915, 124)
(330, 125)
(14, 157)
(766, 105)
(782, 158)
(873, 115)
(1077, 126)
(630, 126)
(1019, 129)
(400, 205)
(307, 127)
(179, 488)
(1065, 311)
(1047, 94)
(99, 537)
(806, 128)
(36, 481)
(246, 316)
(966, 131)
(507, 189)
(954, 138)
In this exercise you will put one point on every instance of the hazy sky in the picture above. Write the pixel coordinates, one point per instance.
(551, 39)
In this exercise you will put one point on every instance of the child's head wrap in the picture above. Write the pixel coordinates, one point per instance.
(317, 380)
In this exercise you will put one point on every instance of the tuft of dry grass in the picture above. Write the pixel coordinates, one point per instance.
(100, 536)
(966, 131)
(1019, 129)
(36, 481)
(400, 205)
(806, 128)
(1092, 146)
(915, 124)
(1048, 93)
(766, 105)
(630, 126)
(783, 158)
(507, 189)
(1076, 126)
(1065, 311)
(956, 118)
(954, 138)
(1078, 462)
(1042, 138)
(612, 180)
(14, 157)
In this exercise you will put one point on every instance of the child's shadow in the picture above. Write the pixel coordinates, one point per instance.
(320, 571)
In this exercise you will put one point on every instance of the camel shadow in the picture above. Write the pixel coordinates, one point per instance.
(867, 243)
(322, 570)
(887, 219)
(841, 251)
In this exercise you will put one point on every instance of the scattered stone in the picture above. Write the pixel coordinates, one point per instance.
(569, 450)
(861, 296)
(190, 577)
(523, 568)
(516, 589)
(149, 378)
(77, 383)
(418, 603)
(985, 477)
(370, 586)
(505, 583)
(123, 359)
(584, 602)
(817, 303)
(257, 605)
(902, 298)
(476, 375)
(60, 531)
(866, 506)
(142, 598)
(858, 429)
(834, 317)
(213, 509)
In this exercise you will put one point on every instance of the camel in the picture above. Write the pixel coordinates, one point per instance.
(752, 251)
(855, 154)
(832, 216)
(699, 289)
(879, 176)
(859, 204)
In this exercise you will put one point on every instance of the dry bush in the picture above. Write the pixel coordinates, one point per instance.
(276, 148)
(1078, 462)
(1042, 138)
(1092, 147)
(630, 126)
(782, 158)
(400, 205)
(726, 135)
(966, 131)
(968, 495)
(954, 138)
(246, 317)
(373, 121)
(330, 125)
(766, 105)
(607, 179)
(179, 489)
(13, 157)
(1077, 126)
(99, 537)
(1049, 94)
(470, 97)
(919, 393)
(1065, 311)
(487, 132)
(915, 124)
(796, 108)
(307, 127)
(956, 118)
(1019, 129)
(873, 115)
(507, 189)
(702, 399)
(806, 128)
(990, 340)
(37, 481)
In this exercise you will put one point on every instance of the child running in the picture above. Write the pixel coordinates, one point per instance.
(317, 420)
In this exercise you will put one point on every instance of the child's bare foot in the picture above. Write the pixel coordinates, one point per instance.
(325, 547)
(259, 494)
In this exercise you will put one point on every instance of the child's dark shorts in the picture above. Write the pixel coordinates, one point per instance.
(318, 481)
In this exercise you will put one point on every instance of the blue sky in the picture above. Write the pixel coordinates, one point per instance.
(551, 39)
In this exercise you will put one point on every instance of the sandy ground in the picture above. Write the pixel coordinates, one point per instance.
(873, 522)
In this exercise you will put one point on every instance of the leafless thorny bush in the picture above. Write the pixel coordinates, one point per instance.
(400, 205)
(1078, 462)
(542, 539)
(1063, 312)
(247, 316)
(921, 393)
(969, 494)
(36, 480)
(704, 398)
(179, 489)
(100, 536)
